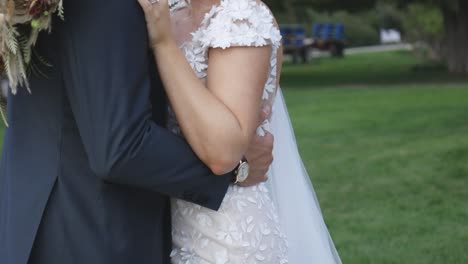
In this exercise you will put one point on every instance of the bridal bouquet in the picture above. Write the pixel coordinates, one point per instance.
(21, 21)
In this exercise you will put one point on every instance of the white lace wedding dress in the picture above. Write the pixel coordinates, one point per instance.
(248, 228)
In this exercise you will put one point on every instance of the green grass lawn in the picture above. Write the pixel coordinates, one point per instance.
(387, 68)
(387, 150)
(385, 140)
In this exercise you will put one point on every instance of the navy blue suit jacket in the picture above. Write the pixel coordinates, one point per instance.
(87, 172)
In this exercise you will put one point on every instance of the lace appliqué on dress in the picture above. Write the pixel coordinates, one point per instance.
(246, 229)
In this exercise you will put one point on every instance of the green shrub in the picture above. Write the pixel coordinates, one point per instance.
(423, 23)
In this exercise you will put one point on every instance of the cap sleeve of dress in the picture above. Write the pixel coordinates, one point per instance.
(237, 23)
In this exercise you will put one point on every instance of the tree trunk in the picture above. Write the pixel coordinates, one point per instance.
(455, 43)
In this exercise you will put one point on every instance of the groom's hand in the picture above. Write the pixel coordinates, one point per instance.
(260, 155)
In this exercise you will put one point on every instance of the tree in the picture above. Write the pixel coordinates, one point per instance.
(455, 15)
(455, 40)
(322, 5)
(424, 23)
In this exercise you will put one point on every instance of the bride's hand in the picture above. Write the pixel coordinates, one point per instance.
(158, 21)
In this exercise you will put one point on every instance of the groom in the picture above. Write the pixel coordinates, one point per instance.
(87, 172)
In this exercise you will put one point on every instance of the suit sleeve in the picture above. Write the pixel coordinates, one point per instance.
(106, 68)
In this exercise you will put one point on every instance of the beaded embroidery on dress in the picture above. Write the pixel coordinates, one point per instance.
(246, 229)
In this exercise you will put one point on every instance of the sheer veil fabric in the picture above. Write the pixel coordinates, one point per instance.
(294, 195)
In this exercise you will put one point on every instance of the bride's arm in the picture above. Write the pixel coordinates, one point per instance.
(219, 122)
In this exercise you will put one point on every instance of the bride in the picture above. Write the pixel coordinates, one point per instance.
(220, 63)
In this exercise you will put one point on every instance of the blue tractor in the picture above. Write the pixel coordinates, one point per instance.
(329, 37)
(324, 37)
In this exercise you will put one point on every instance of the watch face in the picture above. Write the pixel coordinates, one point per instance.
(243, 173)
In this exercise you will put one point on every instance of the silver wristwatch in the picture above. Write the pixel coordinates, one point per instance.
(242, 172)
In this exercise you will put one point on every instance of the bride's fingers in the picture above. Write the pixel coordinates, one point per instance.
(164, 3)
(264, 114)
(145, 4)
(148, 6)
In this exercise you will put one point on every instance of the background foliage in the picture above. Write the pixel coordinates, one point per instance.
(439, 26)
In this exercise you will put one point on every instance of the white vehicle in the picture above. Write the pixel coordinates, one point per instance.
(388, 36)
